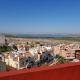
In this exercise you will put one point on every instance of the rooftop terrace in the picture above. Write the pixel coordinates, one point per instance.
(69, 71)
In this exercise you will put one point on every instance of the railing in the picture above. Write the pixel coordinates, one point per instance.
(69, 71)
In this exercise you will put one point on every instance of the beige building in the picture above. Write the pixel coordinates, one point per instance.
(66, 51)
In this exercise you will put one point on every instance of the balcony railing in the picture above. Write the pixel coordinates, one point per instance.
(69, 71)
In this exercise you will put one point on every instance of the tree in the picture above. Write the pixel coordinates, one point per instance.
(15, 47)
(5, 48)
(62, 60)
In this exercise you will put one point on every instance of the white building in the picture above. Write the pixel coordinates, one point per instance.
(17, 59)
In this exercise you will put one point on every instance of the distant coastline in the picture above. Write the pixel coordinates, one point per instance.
(36, 35)
(46, 36)
(43, 35)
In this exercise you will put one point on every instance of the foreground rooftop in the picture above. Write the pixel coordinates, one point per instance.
(69, 71)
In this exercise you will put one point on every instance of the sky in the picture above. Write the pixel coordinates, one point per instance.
(40, 16)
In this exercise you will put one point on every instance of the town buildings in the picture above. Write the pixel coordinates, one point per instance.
(30, 54)
(21, 58)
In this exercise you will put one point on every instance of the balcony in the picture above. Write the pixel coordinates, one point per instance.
(69, 71)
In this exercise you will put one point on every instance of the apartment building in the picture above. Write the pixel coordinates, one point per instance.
(17, 59)
(67, 51)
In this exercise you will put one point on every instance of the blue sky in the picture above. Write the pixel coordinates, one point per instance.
(40, 16)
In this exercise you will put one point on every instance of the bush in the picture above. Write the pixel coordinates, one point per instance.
(5, 48)
(62, 60)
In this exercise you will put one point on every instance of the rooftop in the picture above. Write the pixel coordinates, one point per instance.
(69, 71)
